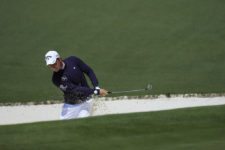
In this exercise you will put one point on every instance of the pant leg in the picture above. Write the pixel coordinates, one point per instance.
(86, 109)
(83, 114)
(76, 111)
(70, 111)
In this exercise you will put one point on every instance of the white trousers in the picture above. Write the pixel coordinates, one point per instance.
(77, 110)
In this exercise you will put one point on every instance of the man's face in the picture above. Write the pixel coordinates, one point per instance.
(56, 66)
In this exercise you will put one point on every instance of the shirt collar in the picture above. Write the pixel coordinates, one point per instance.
(63, 65)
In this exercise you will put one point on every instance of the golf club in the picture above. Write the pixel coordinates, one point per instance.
(149, 87)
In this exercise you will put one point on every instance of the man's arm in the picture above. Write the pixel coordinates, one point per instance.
(87, 70)
(68, 87)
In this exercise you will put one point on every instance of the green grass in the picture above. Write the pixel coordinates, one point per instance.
(176, 45)
(195, 128)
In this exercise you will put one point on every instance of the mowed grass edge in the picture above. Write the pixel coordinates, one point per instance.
(192, 128)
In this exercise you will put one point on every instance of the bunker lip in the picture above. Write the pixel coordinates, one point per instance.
(103, 106)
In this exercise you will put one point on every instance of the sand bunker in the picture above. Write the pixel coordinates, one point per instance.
(36, 113)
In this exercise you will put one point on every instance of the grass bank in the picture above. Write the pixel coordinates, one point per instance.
(193, 128)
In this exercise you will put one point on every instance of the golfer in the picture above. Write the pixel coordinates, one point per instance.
(68, 76)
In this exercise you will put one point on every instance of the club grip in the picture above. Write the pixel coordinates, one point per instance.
(109, 92)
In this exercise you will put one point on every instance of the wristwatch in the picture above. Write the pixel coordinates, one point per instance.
(97, 90)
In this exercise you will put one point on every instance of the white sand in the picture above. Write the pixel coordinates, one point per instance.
(36, 113)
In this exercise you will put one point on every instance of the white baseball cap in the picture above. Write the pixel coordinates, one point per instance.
(51, 57)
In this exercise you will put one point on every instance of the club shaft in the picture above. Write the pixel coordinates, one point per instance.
(149, 87)
(118, 92)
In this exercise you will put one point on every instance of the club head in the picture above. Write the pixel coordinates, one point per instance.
(149, 87)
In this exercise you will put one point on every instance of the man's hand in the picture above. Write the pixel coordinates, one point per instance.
(103, 92)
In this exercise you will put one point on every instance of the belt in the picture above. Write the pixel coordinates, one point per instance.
(74, 102)
(78, 101)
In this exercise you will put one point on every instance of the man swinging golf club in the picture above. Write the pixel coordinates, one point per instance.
(68, 76)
